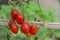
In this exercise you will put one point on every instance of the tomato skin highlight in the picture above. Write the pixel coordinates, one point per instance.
(25, 27)
(20, 19)
(14, 13)
(33, 30)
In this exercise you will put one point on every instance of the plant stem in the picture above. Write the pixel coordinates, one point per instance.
(39, 5)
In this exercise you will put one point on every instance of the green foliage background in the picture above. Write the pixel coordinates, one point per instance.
(31, 12)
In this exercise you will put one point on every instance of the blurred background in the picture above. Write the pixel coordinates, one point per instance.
(34, 11)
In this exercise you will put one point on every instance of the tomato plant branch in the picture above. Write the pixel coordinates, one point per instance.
(39, 24)
(10, 2)
(39, 6)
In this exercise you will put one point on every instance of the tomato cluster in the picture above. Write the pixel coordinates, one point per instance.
(26, 28)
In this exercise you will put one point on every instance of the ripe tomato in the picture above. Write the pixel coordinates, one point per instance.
(14, 13)
(13, 26)
(25, 27)
(33, 30)
(10, 23)
(20, 19)
(14, 29)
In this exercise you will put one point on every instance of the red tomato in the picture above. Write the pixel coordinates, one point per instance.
(20, 19)
(14, 29)
(25, 27)
(10, 23)
(13, 26)
(33, 30)
(14, 13)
